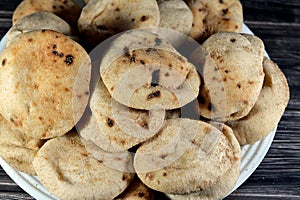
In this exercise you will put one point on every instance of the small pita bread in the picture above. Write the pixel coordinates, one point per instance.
(263, 118)
(48, 87)
(102, 19)
(152, 72)
(68, 171)
(234, 78)
(227, 183)
(17, 149)
(212, 16)
(38, 21)
(68, 10)
(186, 156)
(176, 15)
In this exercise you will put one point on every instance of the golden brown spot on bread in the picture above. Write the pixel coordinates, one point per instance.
(239, 85)
(132, 19)
(207, 129)
(117, 9)
(164, 174)
(221, 1)
(144, 125)
(30, 40)
(17, 123)
(41, 118)
(87, 93)
(43, 135)
(149, 176)
(123, 142)
(232, 40)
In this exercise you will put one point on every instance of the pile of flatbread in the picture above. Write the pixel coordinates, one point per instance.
(149, 113)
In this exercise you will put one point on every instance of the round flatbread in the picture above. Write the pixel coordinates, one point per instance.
(176, 15)
(48, 87)
(38, 21)
(152, 72)
(186, 156)
(225, 185)
(232, 82)
(68, 171)
(123, 127)
(68, 10)
(17, 149)
(263, 118)
(212, 16)
(102, 19)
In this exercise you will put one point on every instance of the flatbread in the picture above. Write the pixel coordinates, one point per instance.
(48, 87)
(68, 171)
(38, 21)
(137, 191)
(225, 185)
(152, 72)
(186, 156)
(17, 149)
(212, 16)
(233, 80)
(263, 117)
(68, 10)
(176, 15)
(102, 19)
(122, 127)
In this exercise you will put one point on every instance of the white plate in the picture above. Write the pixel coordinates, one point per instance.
(252, 155)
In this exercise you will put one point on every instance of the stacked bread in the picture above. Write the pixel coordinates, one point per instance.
(150, 113)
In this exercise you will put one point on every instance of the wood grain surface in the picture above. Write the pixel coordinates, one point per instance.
(277, 23)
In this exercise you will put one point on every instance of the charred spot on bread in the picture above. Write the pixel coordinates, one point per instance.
(153, 95)
(110, 122)
(144, 18)
(3, 62)
(69, 59)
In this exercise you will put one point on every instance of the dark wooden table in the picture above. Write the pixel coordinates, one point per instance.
(277, 23)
